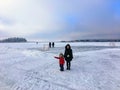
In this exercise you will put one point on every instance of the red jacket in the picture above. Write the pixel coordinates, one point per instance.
(61, 60)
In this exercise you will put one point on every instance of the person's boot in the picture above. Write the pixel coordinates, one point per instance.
(67, 68)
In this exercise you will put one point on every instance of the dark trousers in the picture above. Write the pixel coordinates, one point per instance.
(61, 67)
(68, 64)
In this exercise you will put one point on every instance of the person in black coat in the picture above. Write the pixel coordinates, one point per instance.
(53, 44)
(68, 55)
(49, 44)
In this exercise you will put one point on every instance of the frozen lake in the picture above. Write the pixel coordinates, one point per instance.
(26, 66)
(77, 47)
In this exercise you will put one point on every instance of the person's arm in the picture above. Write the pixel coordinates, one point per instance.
(71, 54)
(57, 57)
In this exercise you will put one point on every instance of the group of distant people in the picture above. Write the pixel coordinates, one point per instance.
(51, 44)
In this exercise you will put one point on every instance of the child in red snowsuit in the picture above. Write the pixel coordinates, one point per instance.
(61, 61)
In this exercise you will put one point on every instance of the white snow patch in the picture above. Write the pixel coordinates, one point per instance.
(27, 67)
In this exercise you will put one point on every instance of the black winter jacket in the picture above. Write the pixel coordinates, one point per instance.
(68, 55)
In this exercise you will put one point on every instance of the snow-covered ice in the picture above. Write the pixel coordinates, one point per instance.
(25, 66)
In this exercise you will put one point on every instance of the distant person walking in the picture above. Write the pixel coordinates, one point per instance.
(68, 55)
(49, 44)
(53, 44)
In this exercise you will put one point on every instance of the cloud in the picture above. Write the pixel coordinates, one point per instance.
(72, 19)
(29, 17)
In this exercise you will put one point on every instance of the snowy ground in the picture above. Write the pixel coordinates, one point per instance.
(25, 66)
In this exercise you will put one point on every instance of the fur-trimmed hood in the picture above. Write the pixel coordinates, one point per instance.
(67, 45)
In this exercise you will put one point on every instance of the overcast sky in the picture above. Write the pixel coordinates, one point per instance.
(60, 19)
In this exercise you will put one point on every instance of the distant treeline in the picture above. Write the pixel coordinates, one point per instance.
(14, 39)
(94, 40)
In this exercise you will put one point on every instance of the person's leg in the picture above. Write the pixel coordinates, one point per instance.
(61, 67)
(67, 64)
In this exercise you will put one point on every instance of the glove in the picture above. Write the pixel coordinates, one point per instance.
(68, 55)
